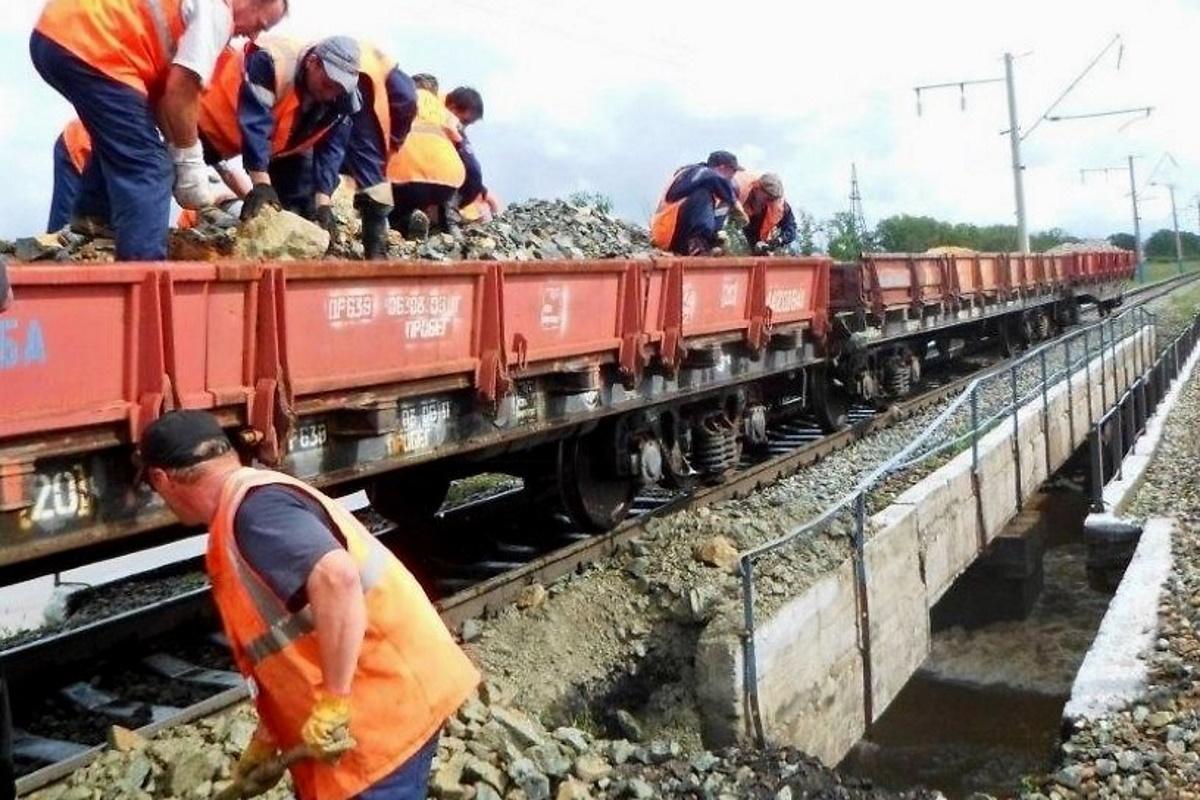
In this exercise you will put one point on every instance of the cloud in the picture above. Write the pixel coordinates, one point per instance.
(612, 97)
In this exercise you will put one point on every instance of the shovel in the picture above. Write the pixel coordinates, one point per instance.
(267, 774)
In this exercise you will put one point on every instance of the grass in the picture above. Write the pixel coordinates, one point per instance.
(1161, 270)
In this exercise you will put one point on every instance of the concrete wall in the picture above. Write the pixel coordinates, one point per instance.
(811, 653)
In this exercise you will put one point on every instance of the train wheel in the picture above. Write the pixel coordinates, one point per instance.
(409, 495)
(830, 403)
(897, 377)
(594, 498)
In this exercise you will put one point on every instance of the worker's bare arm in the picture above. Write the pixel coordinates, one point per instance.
(340, 616)
(179, 109)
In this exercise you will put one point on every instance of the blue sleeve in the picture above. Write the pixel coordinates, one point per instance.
(282, 535)
(328, 156)
(256, 119)
(701, 177)
(402, 101)
(473, 184)
(366, 150)
(787, 225)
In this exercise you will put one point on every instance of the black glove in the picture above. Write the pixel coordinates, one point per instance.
(263, 194)
(328, 221)
(374, 227)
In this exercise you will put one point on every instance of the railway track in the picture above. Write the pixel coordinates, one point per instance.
(485, 580)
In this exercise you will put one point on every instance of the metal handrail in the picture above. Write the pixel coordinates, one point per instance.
(855, 501)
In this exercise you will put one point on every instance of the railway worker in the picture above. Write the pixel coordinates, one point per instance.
(771, 221)
(466, 104)
(692, 210)
(427, 171)
(351, 668)
(72, 152)
(131, 67)
(281, 105)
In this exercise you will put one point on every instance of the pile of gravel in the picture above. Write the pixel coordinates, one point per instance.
(490, 750)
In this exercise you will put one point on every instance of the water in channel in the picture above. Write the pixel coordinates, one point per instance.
(985, 708)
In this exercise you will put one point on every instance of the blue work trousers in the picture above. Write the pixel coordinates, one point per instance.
(128, 181)
(410, 781)
(697, 225)
(67, 181)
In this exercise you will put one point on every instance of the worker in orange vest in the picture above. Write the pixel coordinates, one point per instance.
(72, 152)
(131, 67)
(466, 104)
(427, 170)
(693, 208)
(279, 103)
(771, 223)
(351, 668)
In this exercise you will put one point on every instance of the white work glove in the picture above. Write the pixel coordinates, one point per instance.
(192, 189)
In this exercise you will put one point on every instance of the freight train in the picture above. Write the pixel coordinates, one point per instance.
(589, 379)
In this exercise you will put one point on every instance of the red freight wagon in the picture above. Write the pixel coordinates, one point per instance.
(81, 347)
(992, 274)
(892, 283)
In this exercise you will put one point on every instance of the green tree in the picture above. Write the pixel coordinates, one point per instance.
(1161, 244)
(846, 241)
(806, 233)
(1123, 240)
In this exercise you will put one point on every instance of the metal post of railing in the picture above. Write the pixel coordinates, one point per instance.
(1045, 410)
(749, 654)
(1119, 439)
(1103, 376)
(975, 428)
(1112, 344)
(1012, 374)
(1097, 459)
(1070, 389)
(1087, 371)
(864, 611)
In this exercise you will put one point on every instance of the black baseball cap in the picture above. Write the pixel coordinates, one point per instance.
(171, 441)
(722, 158)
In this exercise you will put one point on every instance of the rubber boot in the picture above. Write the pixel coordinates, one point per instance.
(417, 228)
(374, 227)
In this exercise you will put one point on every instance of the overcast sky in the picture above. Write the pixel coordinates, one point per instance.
(612, 96)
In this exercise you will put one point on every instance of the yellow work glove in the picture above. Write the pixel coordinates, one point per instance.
(258, 768)
(327, 729)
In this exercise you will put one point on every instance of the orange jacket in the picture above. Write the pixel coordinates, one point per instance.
(665, 217)
(375, 67)
(78, 143)
(130, 41)
(744, 180)
(429, 154)
(411, 675)
(219, 105)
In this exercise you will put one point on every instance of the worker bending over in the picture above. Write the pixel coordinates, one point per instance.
(692, 210)
(353, 672)
(427, 171)
(131, 67)
(466, 104)
(280, 104)
(771, 221)
(72, 152)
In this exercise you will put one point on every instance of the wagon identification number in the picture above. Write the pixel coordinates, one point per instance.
(21, 347)
(422, 426)
(783, 301)
(58, 497)
(424, 315)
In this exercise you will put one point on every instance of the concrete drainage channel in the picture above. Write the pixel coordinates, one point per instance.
(1031, 640)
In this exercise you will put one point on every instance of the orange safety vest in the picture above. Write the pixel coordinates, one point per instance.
(375, 67)
(744, 181)
(666, 216)
(411, 675)
(78, 143)
(219, 105)
(131, 41)
(429, 154)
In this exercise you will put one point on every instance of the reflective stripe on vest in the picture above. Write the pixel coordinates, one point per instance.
(130, 41)
(429, 154)
(410, 675)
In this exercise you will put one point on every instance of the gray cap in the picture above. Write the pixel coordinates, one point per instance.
(341, 58)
